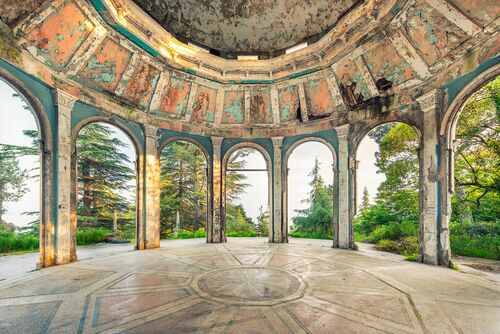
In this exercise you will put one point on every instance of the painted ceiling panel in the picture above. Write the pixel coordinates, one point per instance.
(260, 107)
(234, 108)
(319, 99)
(106, 66)
(176, 97)
(289, 103)
(141, 85)
(61, 33)
(204, 104)
(484, 11)
(246, 26)
(432, 35)
(385, 63)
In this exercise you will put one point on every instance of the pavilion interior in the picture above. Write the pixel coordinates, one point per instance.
(231, 74)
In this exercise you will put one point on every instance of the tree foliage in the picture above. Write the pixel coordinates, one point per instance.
(12, 179)
(104, 176)
(317, 219)
(183, 184)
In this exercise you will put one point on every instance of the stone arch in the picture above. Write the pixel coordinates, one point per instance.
(209, 192)
(288, 153)
(47, 221)
(139, 152)
(356, 141)
(450, 118)
(269, 166)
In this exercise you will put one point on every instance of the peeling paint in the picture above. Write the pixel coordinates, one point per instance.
(106, 66)
(140, 86)
(289, 103)
(176, 97)
(260, 107)
(431, 34)
(204, 104)
(384, 62)
(60, 34)
(352, 85)
(234, 107)
(319, 99)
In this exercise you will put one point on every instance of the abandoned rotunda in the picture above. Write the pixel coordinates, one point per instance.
(267, 75)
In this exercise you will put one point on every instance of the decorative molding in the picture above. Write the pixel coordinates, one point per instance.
(151, 131)
(429, 101)
(64, 99)
(277, 142)
(342, 131)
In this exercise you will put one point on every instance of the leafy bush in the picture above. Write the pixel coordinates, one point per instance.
(242, 234)
(91, 236)
(11, 242)
(311, 235)
(394, 231)
(407, 246)
(185, 234)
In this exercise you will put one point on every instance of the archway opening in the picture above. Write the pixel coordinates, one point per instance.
(183, 191)
(310, 191)
(247, 191)
(105, 186)
(475, 216)
(20, 179)
(388, 189)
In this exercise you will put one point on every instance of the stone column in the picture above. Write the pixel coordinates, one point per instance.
(343, 229)
(152, 188)
(429, 178)
(279, 234)
(217, 230)
(63, 230)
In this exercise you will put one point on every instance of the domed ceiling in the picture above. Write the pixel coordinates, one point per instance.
(265, 27)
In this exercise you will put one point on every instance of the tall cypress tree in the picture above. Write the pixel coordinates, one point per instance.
(104, 174)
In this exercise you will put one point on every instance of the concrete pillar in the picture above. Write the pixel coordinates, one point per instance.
(217, 231)
(279, 233)
(343, 237)
(152, 188)
(63, 231)
(429, 179)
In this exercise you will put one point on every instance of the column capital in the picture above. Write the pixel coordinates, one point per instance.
(217, 141)
(277, 141)
(150, 131)
(64, 99)
(429, 101)
(342, 130)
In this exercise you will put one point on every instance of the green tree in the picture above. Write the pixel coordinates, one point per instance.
(477, 157)
(103, 175)
(12, 180)
(183, 187)
(316, 219)
(365, 200)
(263, 221)
(238, 223)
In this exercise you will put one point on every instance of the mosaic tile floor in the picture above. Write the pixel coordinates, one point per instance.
(246, 286)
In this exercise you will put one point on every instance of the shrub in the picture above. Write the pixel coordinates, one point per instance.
(10, 242)
(91, 236)
(305, 235)
(388, 246)
(407, 246)
(393, 231)
(242, 234)
(185, 234)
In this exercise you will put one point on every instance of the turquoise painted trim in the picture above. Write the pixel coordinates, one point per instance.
(204, 142)
(328, 135)
(455, 86)
(136, 40)
(306, 72)
(82, 111)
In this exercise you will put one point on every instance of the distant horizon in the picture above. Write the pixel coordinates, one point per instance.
(14, 119)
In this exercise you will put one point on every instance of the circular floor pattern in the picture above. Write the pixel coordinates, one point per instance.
(245, 286)
(249, 285)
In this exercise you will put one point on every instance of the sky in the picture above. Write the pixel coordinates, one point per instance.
(14, 119)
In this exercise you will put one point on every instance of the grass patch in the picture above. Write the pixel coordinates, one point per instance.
(486, 246)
